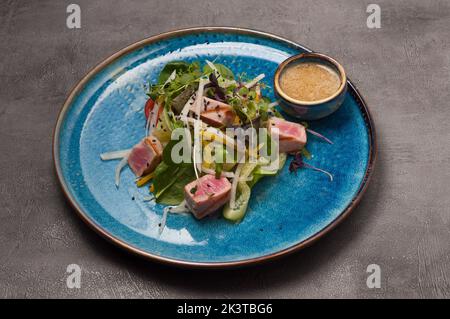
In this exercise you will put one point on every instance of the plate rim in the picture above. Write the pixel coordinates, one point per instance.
(77, 88)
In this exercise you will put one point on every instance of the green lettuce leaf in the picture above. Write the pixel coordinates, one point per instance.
(169, 182)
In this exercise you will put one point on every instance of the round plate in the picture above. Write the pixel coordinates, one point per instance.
(286, 212)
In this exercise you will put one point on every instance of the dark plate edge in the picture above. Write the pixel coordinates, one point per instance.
(210, 265)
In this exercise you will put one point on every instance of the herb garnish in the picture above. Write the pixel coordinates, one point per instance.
(298, 162)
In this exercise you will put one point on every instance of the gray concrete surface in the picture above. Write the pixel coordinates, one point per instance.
(402, 224)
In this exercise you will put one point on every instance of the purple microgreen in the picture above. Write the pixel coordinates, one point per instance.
(213, 80)
(298, 162)
(219, 93)
(319, 170)
(319, 135)
(219, 96)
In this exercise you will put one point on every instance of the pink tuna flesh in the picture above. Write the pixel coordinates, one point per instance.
(207, 194)
(145, 156)
(215, 113)
(291, 136)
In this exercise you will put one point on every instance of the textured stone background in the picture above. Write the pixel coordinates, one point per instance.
(402, 224)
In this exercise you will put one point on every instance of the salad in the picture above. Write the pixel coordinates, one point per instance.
(210, 136)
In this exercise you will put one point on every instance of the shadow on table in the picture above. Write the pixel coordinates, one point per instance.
(221, 283)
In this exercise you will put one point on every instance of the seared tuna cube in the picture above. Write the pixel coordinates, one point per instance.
(291, 136)
(207, 194)
(215, 113)
(145, 156)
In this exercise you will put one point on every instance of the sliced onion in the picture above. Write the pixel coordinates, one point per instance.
(119, 167)
(180, 209)
(213, 67)
(148, 198)
(198, 125)
(255, 80)
(154, 120)
(147, 123)
(199, 97)
(114, 155)
(187, 106)
(195, 162)
(273, 104)
(258, 91)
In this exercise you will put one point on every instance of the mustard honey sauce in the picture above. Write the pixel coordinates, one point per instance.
(309, 81)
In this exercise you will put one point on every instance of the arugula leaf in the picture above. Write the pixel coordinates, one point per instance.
(263, 108)
(243, 91)
(252, 110)
(179, 66)
(224, 71)
(252, 95)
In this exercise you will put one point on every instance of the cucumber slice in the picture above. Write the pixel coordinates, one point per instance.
(166, 120)
(237, 213)
(247, 169)
(262, 171)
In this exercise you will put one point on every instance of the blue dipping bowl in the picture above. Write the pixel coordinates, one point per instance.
(311, 110)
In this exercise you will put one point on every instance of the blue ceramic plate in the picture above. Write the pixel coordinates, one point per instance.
(286, 212)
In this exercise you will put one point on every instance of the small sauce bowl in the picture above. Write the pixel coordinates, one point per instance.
(317, 109)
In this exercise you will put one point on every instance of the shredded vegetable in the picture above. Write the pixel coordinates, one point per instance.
(119, 168)
(114, 155)
(255, 81)
(154, 115)
(144, 180)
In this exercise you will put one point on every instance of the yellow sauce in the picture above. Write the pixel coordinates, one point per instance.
(309, 81)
